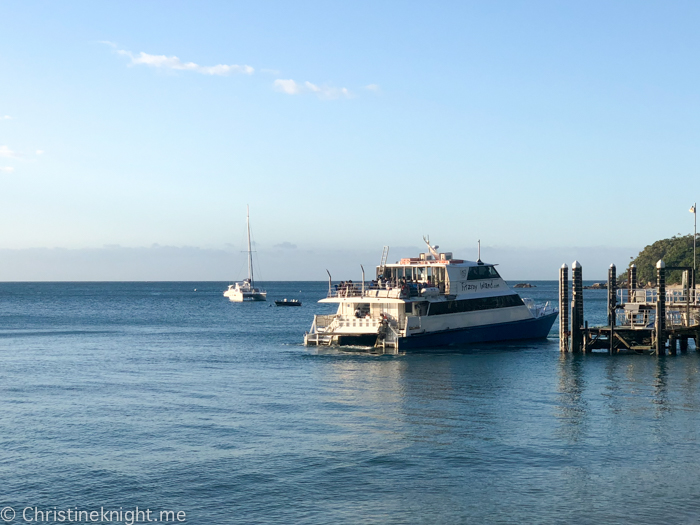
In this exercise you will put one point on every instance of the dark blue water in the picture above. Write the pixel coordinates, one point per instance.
(119, 395)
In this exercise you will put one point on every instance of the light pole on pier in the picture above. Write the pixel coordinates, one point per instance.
(693, 210)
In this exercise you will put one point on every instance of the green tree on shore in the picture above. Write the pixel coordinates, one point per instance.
(676, 251)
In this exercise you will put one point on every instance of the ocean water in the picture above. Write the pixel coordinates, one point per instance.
(154, 395)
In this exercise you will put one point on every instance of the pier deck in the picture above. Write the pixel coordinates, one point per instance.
(640, 320)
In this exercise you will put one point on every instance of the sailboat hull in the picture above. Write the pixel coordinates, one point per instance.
(238, 297)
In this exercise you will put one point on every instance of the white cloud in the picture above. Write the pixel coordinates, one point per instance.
(293, 88)
(40, 152)
(287, 86)
(7, 169)
(6, 152)
(373, 87)
(173, 62)
(7, 117)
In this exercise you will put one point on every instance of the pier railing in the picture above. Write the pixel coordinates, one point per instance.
(637, 319)
(650, 296)
(646, 319)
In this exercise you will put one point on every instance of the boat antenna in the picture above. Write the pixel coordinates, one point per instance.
(478, 256)
(431, 249)
(250, 253)
(330, 282)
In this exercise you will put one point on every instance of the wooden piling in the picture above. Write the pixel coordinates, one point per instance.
(612, 293)
(612, 303)
(660, 308)
(564, 308)
(576, 307)
(631, 282)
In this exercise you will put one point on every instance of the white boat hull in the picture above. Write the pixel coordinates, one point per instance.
(238, 297)
(243, 292)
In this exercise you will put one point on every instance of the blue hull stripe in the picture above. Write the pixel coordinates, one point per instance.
(527, 329)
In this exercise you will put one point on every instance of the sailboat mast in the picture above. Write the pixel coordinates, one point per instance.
(250, 253)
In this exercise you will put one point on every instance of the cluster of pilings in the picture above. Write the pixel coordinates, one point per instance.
(637, 319)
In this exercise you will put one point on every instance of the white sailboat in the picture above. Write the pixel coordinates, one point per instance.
(246, 290)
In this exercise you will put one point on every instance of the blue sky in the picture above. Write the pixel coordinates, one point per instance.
(546, 127)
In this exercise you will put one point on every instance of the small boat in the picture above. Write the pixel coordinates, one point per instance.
(246, 290)
(429, 301)
(288, 302)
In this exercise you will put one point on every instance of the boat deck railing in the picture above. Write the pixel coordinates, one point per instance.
(358, 322)
(323, 321)
(539, 310)
(372, 289)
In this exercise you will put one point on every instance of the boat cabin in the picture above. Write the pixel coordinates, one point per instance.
(445, 274)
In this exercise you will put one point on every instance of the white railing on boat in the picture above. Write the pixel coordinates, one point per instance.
(322, 321)
(335, 321)
(390, 291)
(538, 310)
(354, 322)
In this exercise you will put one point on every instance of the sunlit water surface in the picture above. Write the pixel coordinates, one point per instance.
(157, 395)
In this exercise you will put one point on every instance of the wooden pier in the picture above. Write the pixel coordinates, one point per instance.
(641, 320)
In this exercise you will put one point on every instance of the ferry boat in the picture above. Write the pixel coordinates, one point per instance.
(433, 300)
(246, 290)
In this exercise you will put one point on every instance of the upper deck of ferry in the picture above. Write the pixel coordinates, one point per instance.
(432, 276)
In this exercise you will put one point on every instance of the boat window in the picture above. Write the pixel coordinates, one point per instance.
(482, 272)
(361, 310)
(409, 308)
(471, 305)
